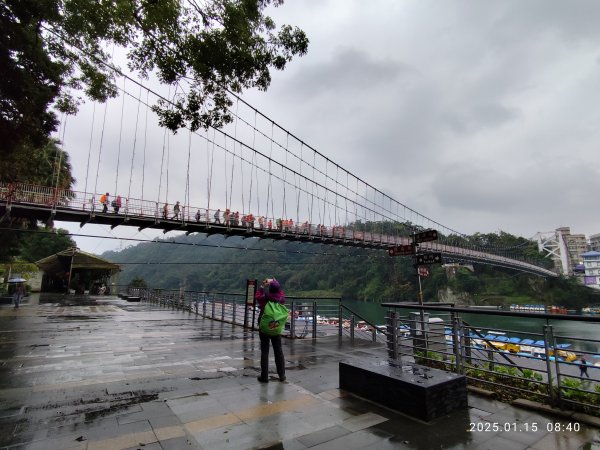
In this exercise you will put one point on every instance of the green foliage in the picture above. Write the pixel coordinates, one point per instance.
(53, 48)
(138, 282)
(352, 273)
(41, 245)
(37, 165)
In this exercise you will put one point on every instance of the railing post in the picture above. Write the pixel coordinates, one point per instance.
(314, 324)
(233, 314)
(292, 320)
(340, 319)
(352, 329)
(456, 329)
(551, 393)
(204, 300)
(223, 310)
(213, 309)
(392, 335)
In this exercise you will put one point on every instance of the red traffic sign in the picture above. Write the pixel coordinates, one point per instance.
(425, 236)
(429, 258)
(423, 271)
(401, 250)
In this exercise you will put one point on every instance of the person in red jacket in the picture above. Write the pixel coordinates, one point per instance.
(270, 291)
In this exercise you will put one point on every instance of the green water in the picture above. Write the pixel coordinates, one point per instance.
(564, 330)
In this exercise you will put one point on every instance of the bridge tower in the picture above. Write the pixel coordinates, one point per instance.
(562, 247)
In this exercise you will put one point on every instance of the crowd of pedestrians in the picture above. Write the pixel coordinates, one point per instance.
(235, 219)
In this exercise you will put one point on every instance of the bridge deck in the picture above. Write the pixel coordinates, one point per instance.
(45, 204)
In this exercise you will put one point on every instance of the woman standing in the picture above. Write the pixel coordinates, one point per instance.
(270, 291)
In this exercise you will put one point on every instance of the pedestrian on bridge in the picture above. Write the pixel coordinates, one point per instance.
(270, 291)
(217, 216)
(176, 211)
(116, 204)
(104, 201)
(165, 211)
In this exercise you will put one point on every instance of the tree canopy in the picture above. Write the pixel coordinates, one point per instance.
(50, 50)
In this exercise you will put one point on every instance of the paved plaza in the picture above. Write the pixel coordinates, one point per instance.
(102, 373)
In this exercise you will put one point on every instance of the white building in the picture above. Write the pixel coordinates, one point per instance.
(591, 262)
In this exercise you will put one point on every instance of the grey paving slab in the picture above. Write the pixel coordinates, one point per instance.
(322, 436)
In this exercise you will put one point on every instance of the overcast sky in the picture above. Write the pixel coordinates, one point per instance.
(481, 115)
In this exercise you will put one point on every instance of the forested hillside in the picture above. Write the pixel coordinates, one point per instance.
(219, 263)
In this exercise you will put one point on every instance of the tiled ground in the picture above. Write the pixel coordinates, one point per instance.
(114, 375)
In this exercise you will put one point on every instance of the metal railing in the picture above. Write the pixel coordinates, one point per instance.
(309, 317)
(53, 199)
(543, 365)
(232, 308)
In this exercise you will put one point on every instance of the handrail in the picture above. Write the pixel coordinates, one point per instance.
(529, 315)
(361, 318)
(85, 202)
(491, 345)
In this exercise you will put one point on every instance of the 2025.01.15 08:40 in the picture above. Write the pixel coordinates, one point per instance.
(498, 427)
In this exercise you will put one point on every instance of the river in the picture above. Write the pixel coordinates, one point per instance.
(521, 327)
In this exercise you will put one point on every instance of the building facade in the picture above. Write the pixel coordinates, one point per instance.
(595, 242)
(591, 262)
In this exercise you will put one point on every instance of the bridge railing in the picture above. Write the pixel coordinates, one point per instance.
(542, 365)
(58, 199)
(49, 197)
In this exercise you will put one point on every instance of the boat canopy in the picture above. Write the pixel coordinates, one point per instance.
(539, 344)
(514, 340)
(502, 339)
(527, 342)
(490, 337)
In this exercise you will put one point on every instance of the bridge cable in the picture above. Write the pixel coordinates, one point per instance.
(252, 172)
(145, 143)
(241, 157)
(212, 162)
(284, 176)
(137, 119)
(120, 136)
(269, 186)
(100, 145)
(187, 181)
(162, 160)
(87, 170)
(227, 199)
(299, 190)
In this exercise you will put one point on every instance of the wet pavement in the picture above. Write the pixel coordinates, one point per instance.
(106, 374)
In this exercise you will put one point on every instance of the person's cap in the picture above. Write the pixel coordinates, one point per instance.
(274, 286)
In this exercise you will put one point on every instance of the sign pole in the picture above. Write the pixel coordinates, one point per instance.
(420, 263)
(420, 293)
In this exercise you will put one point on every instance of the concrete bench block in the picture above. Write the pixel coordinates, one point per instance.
(412, 389)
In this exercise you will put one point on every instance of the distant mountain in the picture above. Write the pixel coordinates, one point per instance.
(220, 263)
(201, 262)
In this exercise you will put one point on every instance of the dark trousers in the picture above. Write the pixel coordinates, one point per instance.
(264, 356)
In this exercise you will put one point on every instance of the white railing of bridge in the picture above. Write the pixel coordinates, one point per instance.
(67, 199)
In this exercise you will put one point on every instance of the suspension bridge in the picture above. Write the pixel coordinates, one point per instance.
(250, 178)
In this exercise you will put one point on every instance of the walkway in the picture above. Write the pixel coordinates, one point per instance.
(107, 374)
